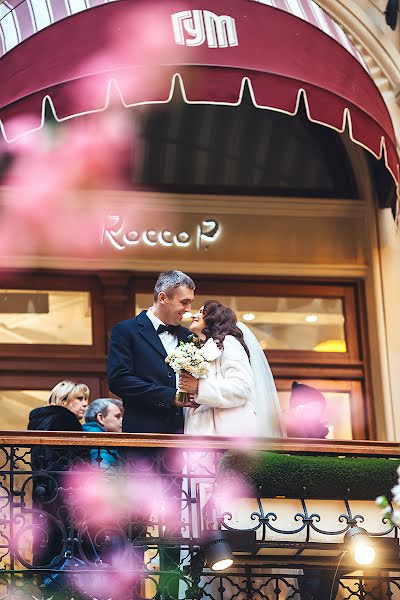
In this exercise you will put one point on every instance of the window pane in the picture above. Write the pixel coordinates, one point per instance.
(283, 323)
(45, 317)
(15, 406)
(337, 413)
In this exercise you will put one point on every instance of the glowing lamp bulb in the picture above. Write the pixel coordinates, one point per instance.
(311, 318)
(364, 554)
(249, 316)
(221, 565)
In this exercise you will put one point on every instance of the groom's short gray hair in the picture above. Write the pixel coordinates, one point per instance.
(168, 281)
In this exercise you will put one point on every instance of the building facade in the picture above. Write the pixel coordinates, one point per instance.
(288, 221)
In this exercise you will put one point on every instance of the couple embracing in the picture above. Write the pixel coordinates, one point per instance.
(237, 397)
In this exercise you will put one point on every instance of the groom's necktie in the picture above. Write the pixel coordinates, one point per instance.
(172, 329)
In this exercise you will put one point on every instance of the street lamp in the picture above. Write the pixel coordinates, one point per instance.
(360, 542)
(218, 551)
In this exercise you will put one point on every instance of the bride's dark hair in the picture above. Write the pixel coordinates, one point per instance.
(221, 321)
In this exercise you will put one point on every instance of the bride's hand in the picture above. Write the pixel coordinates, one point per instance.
(188, 383)
(191, 404)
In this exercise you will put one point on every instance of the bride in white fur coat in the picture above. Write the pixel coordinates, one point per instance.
(238, 396)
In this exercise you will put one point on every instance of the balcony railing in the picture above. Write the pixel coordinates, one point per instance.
(129, 516)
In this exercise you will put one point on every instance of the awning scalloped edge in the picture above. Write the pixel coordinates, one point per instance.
(113, 87)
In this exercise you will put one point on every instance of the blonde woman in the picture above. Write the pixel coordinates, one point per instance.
(66, 406)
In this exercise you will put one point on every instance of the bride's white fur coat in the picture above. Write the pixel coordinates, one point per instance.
(225, 394)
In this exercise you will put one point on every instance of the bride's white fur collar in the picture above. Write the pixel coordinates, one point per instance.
(211, 350)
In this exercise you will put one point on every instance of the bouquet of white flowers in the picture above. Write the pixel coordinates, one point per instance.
(189, 358)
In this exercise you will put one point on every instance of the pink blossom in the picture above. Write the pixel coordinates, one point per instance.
(47, 207)
(138, 43)
(101, 498)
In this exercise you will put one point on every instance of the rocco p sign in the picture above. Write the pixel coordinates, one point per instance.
(117, 234)
(196, 27)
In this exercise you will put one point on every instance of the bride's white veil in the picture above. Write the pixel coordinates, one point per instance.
(265, 401)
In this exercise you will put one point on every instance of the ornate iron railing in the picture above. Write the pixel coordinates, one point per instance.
(124, 516)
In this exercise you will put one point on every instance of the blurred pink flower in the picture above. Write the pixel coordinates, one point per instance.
(110, 583)
(100, 498)
(48, 208)
(139, 42)
(231, 488)
(17, 128)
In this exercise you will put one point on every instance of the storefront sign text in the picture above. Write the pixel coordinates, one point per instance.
(120, 236)
(195, 27)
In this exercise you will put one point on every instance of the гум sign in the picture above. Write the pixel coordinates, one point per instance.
(120, 236)
(195, 27)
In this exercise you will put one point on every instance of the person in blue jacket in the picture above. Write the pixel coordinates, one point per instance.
(104, 415)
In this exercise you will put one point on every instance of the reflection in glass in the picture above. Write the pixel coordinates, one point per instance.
(282, 323)
(45, 317)
(337, 412)
(15, 406)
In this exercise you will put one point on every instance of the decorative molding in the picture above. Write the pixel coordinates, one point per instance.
(238, 205)
(232, 205)
(397, 94)
(380, 54)
(192, 266)
(218, 204)
(360, 26)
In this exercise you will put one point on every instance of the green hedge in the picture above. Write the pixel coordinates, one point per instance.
(269, 474)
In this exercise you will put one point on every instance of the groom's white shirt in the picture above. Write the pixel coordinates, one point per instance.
(168, 340)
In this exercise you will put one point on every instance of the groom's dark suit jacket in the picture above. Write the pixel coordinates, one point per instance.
(138, 374)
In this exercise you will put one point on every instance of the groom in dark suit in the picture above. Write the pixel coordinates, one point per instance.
(138, 373)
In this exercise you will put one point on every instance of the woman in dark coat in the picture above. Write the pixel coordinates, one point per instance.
(64, 411)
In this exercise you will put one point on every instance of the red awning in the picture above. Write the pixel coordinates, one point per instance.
(217, 49)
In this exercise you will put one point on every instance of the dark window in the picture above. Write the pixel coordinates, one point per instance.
(241, 150)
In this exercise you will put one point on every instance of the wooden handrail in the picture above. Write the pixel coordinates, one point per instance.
(188, 442)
